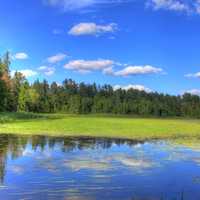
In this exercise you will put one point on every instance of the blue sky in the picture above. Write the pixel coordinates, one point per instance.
(144, 44)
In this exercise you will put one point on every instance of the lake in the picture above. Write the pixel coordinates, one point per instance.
(41, 168)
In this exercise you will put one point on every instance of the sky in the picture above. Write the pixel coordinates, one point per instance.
(151, 45)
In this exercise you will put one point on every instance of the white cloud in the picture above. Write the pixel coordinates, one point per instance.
(197, 6)
(71, 5)
(195, 75)
(56, 58)
(174, 5)
(20, 56)
(48, 71)
(187, 6)
(85, 66)
(92, 29)
(26, 72)
(108, 70)
(193, 92)
(138, 70)
(41, 68)
(107, 67)
(134, 87)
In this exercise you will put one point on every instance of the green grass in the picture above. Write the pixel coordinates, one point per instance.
(99, 126)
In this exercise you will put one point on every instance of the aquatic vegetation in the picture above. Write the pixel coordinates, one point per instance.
(192, 143)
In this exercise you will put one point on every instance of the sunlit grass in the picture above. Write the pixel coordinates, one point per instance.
(99, 126)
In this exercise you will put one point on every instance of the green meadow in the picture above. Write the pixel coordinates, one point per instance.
(99, 126)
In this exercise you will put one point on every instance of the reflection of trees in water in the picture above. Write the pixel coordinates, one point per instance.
(10, 145)
(3, 156)
(13, 145)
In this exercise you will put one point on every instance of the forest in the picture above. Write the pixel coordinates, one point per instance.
(18, 95)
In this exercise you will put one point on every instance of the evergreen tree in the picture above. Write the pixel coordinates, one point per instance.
(17, 95)
(23, 98)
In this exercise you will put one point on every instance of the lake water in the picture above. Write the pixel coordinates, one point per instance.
(43, 168)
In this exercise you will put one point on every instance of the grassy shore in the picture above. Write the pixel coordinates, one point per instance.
(99, 126)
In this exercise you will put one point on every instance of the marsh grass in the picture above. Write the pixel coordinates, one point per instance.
(99, 126)
(23, 116)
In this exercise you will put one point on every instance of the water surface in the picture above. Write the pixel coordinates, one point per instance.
(42, 168)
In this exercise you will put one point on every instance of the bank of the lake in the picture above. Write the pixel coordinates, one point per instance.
(99, 126)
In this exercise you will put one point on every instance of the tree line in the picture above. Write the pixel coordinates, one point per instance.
(18, 95)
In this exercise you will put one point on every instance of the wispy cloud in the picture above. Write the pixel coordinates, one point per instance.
(186, 6)
(108, 67)
(197, 6)
(85, 66)
(20, 56)
(175, 5)
(68, 5)
(56, 58)
(194, 75)
(48, 71)
(138, 70)
(72, 5)
(92, 29)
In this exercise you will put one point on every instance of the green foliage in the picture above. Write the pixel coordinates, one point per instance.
(22, 100)
(4, 82)
(12, 117)
(3, 95)
(17, 82)
(74, 104)
(16, 94)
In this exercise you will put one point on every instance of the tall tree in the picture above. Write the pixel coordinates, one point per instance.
(17, 81)
(23, 98)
